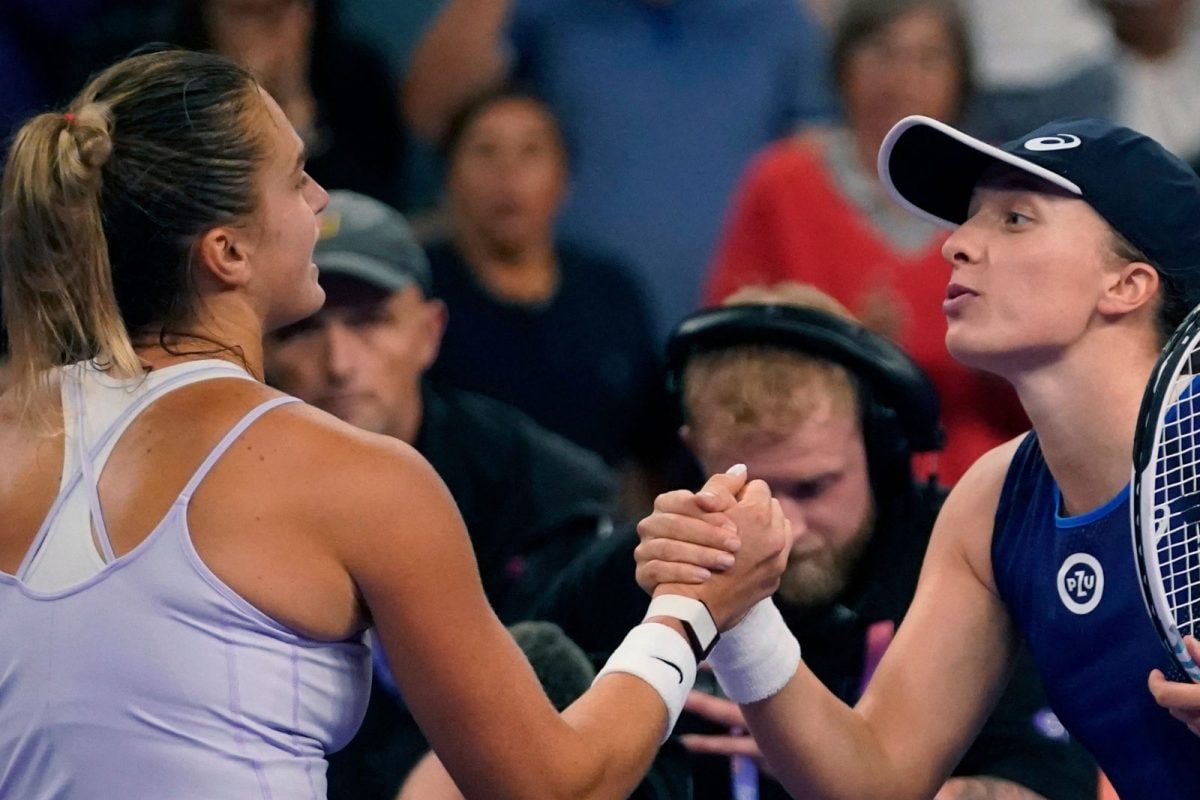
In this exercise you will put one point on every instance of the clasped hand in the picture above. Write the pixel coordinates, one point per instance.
(727, 545)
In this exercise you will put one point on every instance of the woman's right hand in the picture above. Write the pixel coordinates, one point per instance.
(726, 545)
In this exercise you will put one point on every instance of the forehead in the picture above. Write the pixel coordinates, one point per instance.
(821, 439)
(344, 292)
(1008, 177)
(920, 21)
(1008, 182)
(248, 6)
(524, 113)
(284, 145)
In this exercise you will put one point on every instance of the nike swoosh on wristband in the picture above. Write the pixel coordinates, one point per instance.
(671, 665)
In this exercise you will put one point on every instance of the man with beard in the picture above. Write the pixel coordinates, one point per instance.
(829, 414)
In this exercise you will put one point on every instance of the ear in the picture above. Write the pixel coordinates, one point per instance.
(433, 325)
(222, 255)
(1128, 289)
(688, 437)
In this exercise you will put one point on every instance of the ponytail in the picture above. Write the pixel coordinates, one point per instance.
(59, 305)
(101, 206)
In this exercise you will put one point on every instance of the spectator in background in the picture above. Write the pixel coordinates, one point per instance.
(530, 500)
(336, 91)
(1038, 60)
(812, 209)
(661, 103)
(31, 32)
(527, 495)
(540, 324)
(1159, 71)
(783, 380)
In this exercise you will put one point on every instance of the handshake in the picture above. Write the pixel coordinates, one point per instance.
(726, 545)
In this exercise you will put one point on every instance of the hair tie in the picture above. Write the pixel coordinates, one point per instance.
(70, 118)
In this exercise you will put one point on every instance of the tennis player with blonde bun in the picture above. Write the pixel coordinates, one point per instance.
(189, 559)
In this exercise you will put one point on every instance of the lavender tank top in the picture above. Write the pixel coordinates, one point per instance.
(145, 676)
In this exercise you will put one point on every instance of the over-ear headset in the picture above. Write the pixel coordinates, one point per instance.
(900, 404)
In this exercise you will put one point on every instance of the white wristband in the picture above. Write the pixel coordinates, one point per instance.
(658, 655)
(757, 657)
(698, 623)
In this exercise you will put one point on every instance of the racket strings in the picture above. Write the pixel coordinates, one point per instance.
(1177, 502)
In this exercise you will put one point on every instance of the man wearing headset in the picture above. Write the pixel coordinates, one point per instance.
(829, 414)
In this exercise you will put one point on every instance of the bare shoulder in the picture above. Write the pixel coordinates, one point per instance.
(966, 521)
(332, 459)
(978, 491)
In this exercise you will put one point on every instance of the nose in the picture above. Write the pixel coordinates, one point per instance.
(318, 197)
(339, 351)
(963, 246)
(796, 512)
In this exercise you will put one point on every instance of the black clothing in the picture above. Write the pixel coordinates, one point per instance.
(584, 363)
(358, 142)
(531, 501)
(597, 601)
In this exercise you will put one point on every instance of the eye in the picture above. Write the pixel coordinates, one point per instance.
(808, 490)
(368, 317)
(1016, 218)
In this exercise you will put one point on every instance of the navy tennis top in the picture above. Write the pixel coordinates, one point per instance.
(1071, 587)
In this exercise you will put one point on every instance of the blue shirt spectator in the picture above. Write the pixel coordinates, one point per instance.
(661, 105)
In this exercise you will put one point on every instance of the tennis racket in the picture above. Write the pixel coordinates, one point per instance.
(1166, 492)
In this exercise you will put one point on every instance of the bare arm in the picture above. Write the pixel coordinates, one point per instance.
(932, 690)
(465, 680)
(985, 788)
(460, 55)
(727, 714)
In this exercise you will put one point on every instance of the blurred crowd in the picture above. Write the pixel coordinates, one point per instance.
(530, 195)
(584, 174)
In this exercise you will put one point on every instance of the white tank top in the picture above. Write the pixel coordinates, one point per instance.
(145, 675)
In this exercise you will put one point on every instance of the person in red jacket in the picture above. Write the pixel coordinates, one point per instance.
(811, 209)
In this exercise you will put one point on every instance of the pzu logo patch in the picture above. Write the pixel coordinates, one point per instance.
(1081, 583)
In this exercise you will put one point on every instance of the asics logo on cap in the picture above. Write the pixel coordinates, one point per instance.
(1062, 141)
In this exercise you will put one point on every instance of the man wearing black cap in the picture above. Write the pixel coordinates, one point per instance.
(530, 499)
(1075, 251)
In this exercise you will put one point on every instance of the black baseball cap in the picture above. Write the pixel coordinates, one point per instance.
(1148, 195)
(369, 241)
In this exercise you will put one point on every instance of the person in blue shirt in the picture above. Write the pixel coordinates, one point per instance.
(662, 105)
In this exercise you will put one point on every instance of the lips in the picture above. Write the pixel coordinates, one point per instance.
(958, 297)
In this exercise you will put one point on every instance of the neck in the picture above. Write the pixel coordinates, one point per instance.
(230, 334)
(867, 148)
(527, 274)
(1085, 411)
(405, 422)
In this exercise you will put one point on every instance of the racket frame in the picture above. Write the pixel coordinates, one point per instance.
(1156, 401)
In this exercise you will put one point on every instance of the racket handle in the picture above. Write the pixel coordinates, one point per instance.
(743, 775)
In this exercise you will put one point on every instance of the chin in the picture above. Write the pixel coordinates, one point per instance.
(811, 583)
(1008, 362)
(313, 301)
(970, 353)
